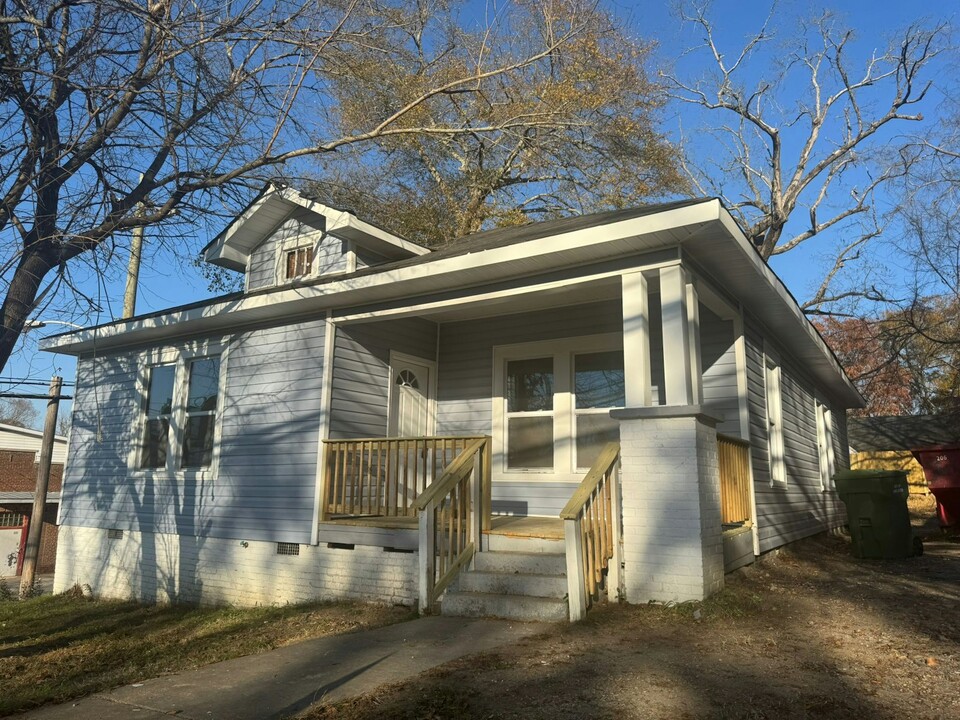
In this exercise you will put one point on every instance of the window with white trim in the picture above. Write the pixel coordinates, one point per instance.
(828, 466)
(554, 412)
(156, 433)
(598, 386)
(530, 416)
(180, 413)
(778, 467)
(299, 261)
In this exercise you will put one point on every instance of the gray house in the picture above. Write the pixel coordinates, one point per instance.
(627, 403)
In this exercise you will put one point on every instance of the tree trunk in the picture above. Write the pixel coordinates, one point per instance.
(20, 299)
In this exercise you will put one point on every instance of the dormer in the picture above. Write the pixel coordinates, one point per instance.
(285, 237)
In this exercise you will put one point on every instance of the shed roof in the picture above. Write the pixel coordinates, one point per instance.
(904, 432)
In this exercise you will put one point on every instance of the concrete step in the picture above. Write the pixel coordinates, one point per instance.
(510, 607)
(512, 543)
(521, 562)
(545, 586)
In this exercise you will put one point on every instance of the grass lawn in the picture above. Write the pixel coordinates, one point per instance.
(58, 648)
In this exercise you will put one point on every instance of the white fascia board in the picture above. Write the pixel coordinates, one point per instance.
(392, 284)
(763, 269)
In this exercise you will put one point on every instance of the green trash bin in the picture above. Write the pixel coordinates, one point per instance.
(876, 503)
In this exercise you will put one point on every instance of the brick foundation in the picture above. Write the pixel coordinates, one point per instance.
(212, 571)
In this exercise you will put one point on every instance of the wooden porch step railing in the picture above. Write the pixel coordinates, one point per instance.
(591, 528)
(452, 512)
(734, 459)
(383, 477)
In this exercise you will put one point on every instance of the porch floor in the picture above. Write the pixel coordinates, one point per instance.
(550, 528)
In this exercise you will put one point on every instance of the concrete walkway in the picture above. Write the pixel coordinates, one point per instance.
(282, 682)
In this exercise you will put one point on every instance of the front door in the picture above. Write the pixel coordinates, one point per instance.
(411, 396)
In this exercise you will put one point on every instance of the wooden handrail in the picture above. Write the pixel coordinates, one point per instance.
(591, 529)
(590, 481)
(452, 513)
(451, 476)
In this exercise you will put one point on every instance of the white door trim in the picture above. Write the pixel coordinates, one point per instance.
(399, 358)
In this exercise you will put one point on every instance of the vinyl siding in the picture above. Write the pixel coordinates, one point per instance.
(801, 508)
(465, 385)
(359, 397)
(301, 228)
(270, 414)
(719, 364)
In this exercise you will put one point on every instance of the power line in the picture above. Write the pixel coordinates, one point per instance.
(27, 381)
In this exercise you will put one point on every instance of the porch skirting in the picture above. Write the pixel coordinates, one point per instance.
(212, 571)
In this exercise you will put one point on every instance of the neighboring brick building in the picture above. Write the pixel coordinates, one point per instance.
(19, 453)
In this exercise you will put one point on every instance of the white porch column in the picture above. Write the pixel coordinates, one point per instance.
(672, 541)
(636, 339)
(677, 366)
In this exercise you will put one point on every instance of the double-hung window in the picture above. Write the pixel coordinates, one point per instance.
(778, 466)
(530, 413)
(825, 445)
(156, 435)
(598, 386)
(180, 411)
(553, 416)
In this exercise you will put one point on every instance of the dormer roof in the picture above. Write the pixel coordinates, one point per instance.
(232, 247)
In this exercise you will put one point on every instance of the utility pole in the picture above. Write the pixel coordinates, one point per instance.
(31, 553)
(133, 273)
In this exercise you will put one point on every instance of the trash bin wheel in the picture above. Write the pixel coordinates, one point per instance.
(917, 547)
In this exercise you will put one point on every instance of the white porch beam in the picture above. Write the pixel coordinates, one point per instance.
(636, 339)
(677, 371)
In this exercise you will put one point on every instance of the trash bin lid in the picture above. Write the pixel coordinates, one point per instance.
(882, 482)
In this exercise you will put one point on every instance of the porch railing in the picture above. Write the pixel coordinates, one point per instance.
(451, 519)
(734, 459)
(591, 529)
(383, 477)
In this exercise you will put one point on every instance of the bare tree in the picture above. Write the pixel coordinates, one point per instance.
(604, 151)
(793, 166)
(123, 113)
(18, 411)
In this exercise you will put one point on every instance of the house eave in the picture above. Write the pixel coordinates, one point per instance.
(703, 230)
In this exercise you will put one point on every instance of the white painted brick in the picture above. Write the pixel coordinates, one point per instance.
(216, 571)
(672, 544)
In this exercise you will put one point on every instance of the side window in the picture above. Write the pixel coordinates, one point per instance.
(778, 469)
(156, 440)
(180, 415)
(825, 452)
(201, 410)
(529, 394)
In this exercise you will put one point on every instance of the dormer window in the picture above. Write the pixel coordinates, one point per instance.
(299, 261)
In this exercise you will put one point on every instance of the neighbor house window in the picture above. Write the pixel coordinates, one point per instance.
(529, 391)
(299, 262)
(597, 387)
(778, 468)
(825, 446)
(180, 414)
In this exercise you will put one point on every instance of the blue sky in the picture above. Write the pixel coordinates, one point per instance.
(165, 283)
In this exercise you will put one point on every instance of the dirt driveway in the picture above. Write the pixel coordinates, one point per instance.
(809, 633)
